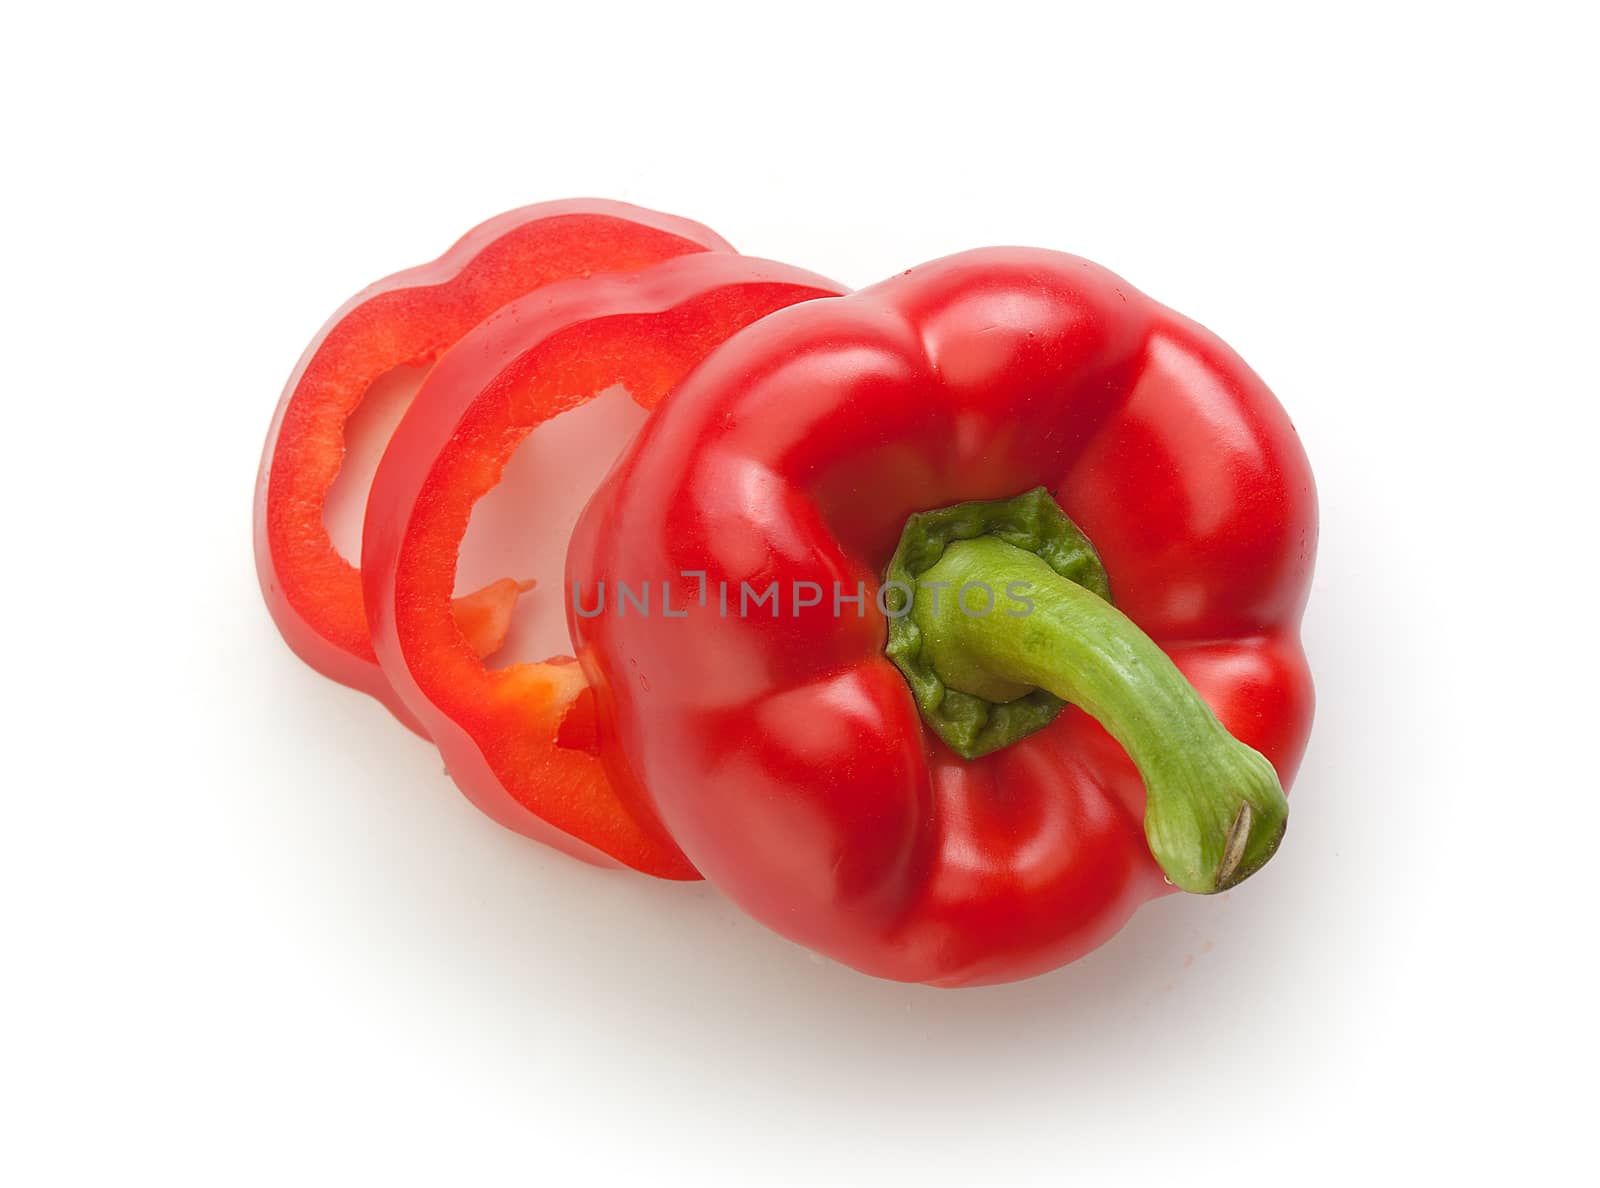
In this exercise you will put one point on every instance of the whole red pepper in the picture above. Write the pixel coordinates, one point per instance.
(893, 781)
(520, 741)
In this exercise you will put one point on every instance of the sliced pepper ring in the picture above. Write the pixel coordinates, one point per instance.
(520, 741)
(410, 319)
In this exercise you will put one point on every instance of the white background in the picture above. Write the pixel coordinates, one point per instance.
(251, 934)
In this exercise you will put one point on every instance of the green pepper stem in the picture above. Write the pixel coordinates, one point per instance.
(1214, 810)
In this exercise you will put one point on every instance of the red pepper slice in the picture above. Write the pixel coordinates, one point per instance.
(520, 741)
(789, 754)
(409, 319)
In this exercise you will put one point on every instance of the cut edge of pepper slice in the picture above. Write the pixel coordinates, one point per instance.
(520, 741)
(410, 319)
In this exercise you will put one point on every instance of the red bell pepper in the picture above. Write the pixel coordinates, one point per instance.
(891, 779)
(409, 319)
(520, 741)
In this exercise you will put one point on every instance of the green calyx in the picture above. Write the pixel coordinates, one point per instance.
(1000, 616)
(973, 724)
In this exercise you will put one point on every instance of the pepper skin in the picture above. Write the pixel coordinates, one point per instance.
(520, 742)
(409, 319)
(786, 755)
